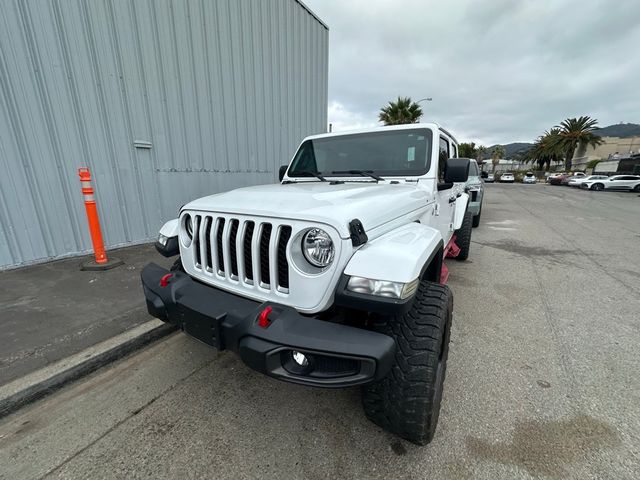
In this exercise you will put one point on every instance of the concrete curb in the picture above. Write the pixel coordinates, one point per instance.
(36, 385)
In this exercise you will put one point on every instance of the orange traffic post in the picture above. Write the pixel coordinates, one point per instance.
(101, 261)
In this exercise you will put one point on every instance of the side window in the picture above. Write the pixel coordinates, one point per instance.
(454, 150)
(473, 169)
(444, 154)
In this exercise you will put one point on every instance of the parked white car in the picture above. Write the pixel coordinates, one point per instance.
(617, 182)
(490, 178)
(529, 177)
(507, 177)
(578, 181)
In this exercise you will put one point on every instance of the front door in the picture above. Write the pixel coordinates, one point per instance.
(447, 197)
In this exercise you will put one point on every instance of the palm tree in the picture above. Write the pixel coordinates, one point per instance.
(576, 131)
(401, 111)
(496, 154)
(480, 150)
(546, 149)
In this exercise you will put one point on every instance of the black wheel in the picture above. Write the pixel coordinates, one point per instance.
(463, 236)
(597, 186)
(407, 401)
(476, 218)
(177, 266)
(636, 188)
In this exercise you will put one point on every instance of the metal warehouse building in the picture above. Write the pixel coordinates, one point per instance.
(164, 100)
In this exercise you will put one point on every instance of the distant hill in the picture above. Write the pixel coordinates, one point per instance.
(510, 149)
(623, 130)
(620, 130)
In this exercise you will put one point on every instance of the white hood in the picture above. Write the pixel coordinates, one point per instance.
(372, 203)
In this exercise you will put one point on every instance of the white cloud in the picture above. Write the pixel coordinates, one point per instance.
(498, 70)
(343, 119)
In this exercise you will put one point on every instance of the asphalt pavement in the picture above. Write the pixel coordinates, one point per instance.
(542, 380)
(53, 310)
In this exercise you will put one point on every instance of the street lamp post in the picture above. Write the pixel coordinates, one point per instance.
(428, 99)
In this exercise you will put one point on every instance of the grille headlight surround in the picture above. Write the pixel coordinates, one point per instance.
(186, 230)
(383, 288)
(188, 225)
(318, 248)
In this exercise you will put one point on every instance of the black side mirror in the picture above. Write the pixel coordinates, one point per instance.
(456, 170)
(484, 174)
(282, 171)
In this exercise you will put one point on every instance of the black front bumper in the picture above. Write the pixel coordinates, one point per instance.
(338, 355)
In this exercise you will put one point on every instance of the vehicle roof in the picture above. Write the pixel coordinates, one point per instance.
(407, 126)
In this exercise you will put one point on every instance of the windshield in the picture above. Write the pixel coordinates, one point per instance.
(391, 153)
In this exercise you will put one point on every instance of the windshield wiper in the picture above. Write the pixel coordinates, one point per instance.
(364, 173)
(309, 173)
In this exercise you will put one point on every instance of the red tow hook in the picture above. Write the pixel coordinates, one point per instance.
(164, 281)
(263, 317)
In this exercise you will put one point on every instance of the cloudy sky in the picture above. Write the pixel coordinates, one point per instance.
(498, 71)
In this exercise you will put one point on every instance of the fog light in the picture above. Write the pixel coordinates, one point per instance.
(300, 358)
(162, 240)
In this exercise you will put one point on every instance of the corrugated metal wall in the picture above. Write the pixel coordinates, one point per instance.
(223, 89)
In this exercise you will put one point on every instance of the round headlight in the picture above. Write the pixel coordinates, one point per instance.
(318, 248)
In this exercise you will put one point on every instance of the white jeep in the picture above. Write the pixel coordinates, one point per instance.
(335, 276)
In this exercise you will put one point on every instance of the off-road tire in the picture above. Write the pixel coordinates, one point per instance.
(463, 236)
(476, 218)
(177, 266)
(407, 401)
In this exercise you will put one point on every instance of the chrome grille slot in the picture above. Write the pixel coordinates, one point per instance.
(248, 259)
(197, 240)
(283, 264)
(220, 256)
(206, 240)
(265, 236)
(232, 248)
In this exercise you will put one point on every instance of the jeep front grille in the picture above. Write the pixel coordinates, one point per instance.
(244, 251)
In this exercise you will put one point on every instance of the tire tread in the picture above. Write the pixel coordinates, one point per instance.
(406, 402)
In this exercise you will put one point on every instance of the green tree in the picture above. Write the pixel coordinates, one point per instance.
(573, 132)
(480, 151)
(546, 149)
(403, 110)
(496, 154)
(467, 150)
